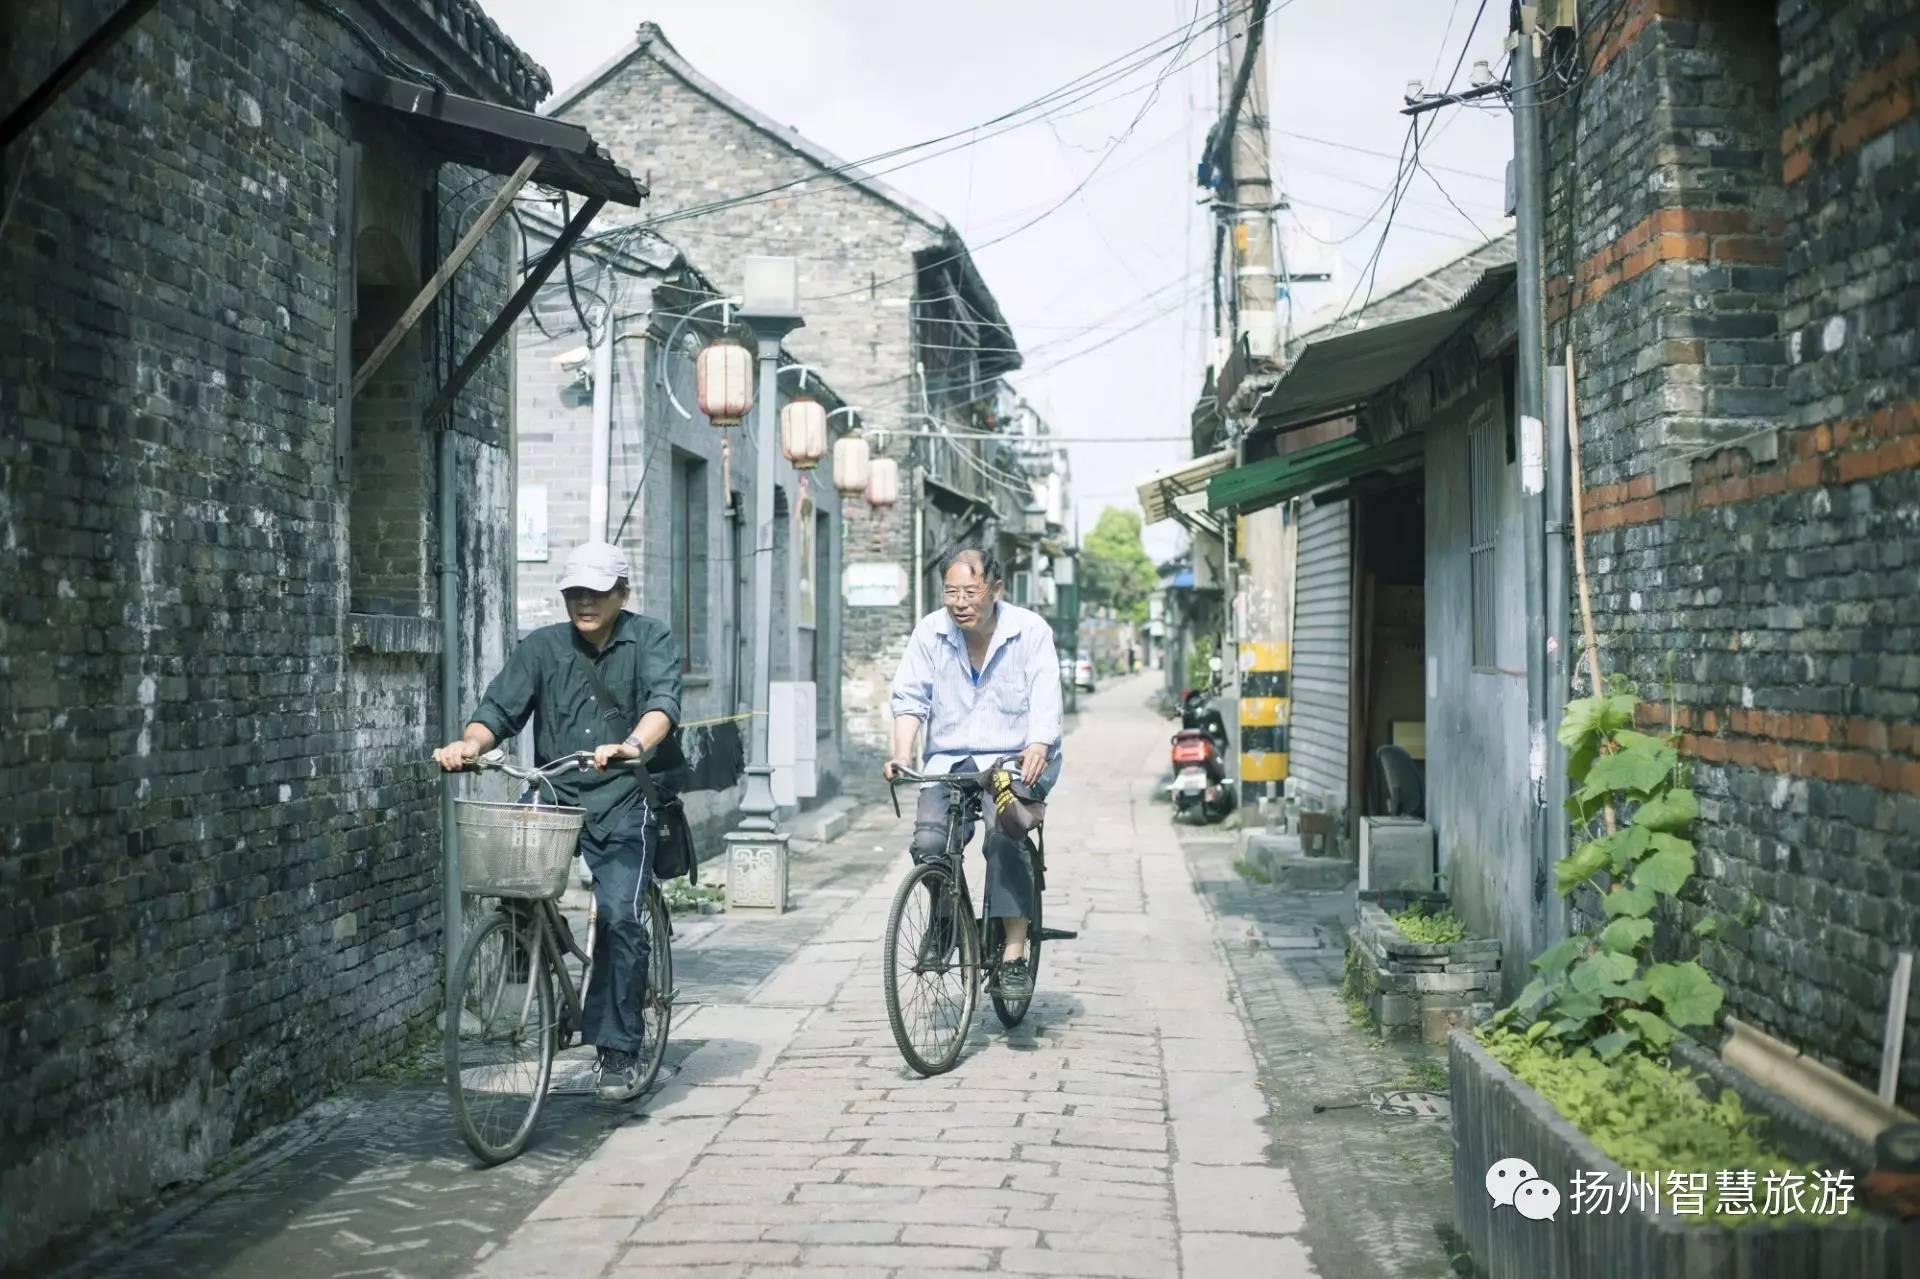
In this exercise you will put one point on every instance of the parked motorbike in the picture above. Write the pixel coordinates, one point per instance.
(1200, 784)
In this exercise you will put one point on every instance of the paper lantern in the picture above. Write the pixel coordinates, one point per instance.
(883, 483)
(803, 433)
(724, 373)
(850, 465)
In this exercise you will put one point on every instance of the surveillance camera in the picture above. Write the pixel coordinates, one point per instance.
(575, 359)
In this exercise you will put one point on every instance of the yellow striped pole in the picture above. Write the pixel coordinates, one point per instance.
(1266, 710)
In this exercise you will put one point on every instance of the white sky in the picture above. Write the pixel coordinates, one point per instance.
(863, 76)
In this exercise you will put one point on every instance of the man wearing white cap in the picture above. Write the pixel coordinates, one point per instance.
(607, 680)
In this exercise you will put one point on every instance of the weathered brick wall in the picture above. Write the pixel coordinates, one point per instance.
(856, 255)
(220, 858)
(1776, 574)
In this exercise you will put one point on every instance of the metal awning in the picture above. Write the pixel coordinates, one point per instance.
(520, 145)
(1262, 484)
(1161, 492)
(486, 135)
(1335, 373)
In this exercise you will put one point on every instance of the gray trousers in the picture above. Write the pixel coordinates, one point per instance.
(1009, 870)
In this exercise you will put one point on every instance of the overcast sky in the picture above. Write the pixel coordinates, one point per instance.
(1111, 287)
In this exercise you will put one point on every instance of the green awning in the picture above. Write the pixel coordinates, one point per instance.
(1261, 484)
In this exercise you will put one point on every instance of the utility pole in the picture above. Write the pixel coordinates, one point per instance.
(1249, 184)
(1529, 383)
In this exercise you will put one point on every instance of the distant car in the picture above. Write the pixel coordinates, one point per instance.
(1083, 673)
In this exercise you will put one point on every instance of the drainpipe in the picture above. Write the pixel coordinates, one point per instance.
(1528, 381)
(1559, 622)
(448, 502)
(919, 540)
(602, 431)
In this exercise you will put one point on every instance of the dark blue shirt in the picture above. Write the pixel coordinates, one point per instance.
(547, 679)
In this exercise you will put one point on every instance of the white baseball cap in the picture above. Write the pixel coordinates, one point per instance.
(597, 566)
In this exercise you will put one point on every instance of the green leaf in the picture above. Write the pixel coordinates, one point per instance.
(1664, 871)
(1533, 991)
(1587, 861)
(1636, 771)
(1567, 1026)
(1674, 810)
(1628, 739)
(1601, 968)
(1618, 712)
(1581, 721)
(1651, 1025)
(1554, 960)
(1708, 927)
(1536, 1030)
(1580, 759)
(1579, 1005)
(1611, 1045)
(1687, 993)
(1627, 846)
(1623, 935)
(1630, 902)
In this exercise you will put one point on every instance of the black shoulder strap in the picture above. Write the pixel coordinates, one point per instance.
(666, 756)
(606, 694)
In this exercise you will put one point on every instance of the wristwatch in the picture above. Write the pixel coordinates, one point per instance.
(633, 740)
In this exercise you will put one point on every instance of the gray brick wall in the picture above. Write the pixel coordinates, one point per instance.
(221, 859)
(1772, 578)
(850, 244)
(652, 445)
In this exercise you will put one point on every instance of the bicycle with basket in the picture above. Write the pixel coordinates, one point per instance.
(512, 1002)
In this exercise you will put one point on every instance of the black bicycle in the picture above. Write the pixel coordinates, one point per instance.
(933, 954)
(512, 1002)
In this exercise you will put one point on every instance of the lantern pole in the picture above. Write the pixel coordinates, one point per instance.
(771, 310)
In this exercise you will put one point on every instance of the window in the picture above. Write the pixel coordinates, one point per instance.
(689, 516)
(1486, 465)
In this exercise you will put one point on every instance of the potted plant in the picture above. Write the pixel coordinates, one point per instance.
(1417, 970)
(1592, 1136)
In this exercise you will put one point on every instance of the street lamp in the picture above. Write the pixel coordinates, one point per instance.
(757, 850)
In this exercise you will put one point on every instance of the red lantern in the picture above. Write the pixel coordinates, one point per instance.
(803, 433)
(851, 465)
(724, 374)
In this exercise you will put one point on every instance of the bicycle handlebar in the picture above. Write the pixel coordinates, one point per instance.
(495, 760)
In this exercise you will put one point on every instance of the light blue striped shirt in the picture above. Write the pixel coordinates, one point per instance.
(1013, 703)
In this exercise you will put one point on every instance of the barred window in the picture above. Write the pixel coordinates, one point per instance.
(1486, 463)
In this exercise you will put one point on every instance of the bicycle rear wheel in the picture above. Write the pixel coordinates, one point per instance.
(931, 989)
(499, 1035)
(657, 1015)
(1012, 1012)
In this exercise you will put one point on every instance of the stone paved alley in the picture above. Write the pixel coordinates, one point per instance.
(1139, 1124)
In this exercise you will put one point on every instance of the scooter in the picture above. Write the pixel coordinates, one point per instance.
(1200, 757)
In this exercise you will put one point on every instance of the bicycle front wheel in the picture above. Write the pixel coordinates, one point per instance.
(499, 1035)
(657, 1014)
(932, 962)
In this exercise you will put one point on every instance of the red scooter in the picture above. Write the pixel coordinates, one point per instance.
(1200, 781)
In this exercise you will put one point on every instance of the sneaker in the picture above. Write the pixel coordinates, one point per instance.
(937, 942)
(616, 1076)
(1016, 979)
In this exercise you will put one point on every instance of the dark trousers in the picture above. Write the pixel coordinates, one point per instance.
(621, 864)
(1009, 868)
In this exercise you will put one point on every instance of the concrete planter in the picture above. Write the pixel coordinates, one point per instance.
(1420, 988)
(1496, 1116)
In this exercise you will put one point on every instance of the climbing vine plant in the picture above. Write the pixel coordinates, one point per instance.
(1599, 989)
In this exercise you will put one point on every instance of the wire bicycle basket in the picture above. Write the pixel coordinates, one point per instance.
(516, 850)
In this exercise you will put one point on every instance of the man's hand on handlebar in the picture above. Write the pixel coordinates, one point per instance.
(605, 755)
(891, 767)
(455, 755)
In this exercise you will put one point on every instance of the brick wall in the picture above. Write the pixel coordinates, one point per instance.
(220, 859)
(856, 256)
(1739, 239)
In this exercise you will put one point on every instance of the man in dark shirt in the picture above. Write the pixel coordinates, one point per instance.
(553, 672)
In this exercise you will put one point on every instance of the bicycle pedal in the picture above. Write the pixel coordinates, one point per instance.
(1057, 934)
